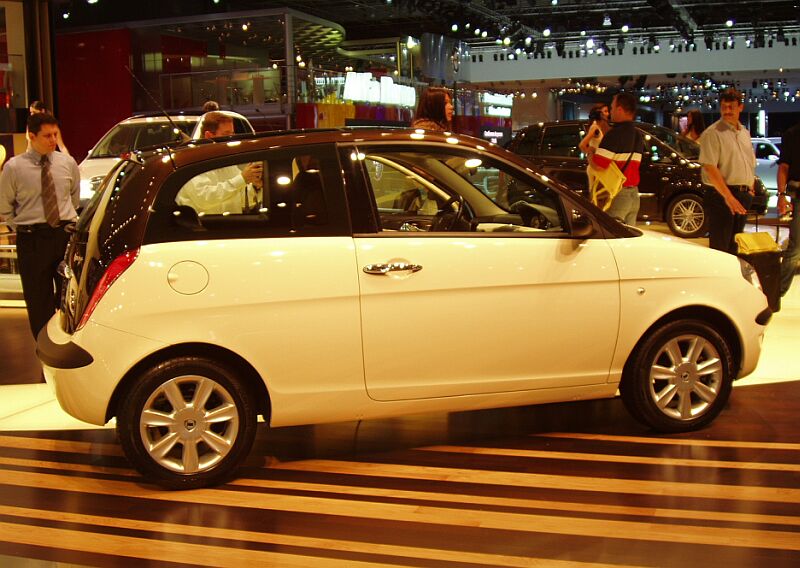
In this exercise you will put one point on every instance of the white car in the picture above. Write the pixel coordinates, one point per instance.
(374, 273)
(139, 132)
(767, 154)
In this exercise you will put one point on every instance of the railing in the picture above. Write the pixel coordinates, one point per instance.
(10, 284)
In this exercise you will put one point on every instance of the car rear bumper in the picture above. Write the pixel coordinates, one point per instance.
(85, 382)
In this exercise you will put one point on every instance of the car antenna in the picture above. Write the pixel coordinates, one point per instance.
(184, 136)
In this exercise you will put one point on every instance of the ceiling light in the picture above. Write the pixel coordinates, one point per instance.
(454, 28)
(590, 43)
(625, 28)
(606, 20)
(546, 32)
(729, 23)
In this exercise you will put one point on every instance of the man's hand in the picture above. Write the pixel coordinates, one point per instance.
(252, 173)
(734, 205)
(783, 205)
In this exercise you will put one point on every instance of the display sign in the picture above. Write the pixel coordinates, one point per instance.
(492, 110)
(498, 100)
(363, 87)
(496, 135)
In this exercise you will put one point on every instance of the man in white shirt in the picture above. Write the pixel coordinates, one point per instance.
(224, 190)
(729, 170)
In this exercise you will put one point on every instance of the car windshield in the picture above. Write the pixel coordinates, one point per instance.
(131, 136)
(687, 148)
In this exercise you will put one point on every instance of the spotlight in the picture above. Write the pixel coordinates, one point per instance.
(625, 28)
(546, 32)
(606, 20)
(729, 23)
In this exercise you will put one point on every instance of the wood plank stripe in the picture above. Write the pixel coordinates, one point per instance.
(672, 441)
(67, 446)
(141, 548)
(577, 483)
(613, 458)
(291, 540)
(603, 528)
(457, 498)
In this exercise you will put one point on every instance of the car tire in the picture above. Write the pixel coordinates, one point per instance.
(686, 216)
(679, 377)
(176, 442)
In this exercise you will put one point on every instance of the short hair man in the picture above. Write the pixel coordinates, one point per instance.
(789, 186)
(39, 196)
(729, 172)
(224, 190)
(623, 145)
(210, 106)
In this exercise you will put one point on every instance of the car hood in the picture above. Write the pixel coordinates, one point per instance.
(93, 167)
(657, 255)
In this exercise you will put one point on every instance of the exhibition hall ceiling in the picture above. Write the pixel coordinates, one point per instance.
(566, 20)
(340, 28)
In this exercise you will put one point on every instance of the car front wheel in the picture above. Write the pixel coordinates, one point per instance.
(686, 216)
(679, 378)
(187, 423)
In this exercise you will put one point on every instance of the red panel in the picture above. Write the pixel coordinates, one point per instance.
(93, 88)
(306, 115)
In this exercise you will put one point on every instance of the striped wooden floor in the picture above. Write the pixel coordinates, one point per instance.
(559, 485)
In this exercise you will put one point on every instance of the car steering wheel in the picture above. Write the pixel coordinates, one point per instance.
(445, 218)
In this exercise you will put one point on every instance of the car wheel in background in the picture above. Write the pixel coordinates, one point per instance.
(686, 216)
(187, 422)
(679, 378)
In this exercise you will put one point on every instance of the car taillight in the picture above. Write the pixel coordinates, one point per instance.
(114, 271)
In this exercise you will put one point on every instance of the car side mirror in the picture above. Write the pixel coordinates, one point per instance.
(582, 226)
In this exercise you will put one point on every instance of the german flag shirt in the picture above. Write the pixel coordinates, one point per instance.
(621, 143)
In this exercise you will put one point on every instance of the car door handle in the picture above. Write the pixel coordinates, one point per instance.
(381, 268)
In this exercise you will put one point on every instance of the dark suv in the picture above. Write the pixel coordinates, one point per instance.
(671, 187)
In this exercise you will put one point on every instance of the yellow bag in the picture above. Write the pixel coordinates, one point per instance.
(750, 243)
(606, 184)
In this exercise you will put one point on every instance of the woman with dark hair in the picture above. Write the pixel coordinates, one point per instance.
(599, 117)
(695, 124)
(434, 110)
(37, 107)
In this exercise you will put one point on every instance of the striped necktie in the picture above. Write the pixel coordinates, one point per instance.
(49, 200)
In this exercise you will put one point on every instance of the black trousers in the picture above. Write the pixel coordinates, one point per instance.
(39, 254)
(722, 224)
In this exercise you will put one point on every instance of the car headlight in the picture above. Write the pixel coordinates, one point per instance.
(89, 186)
(86, 189)
(749, 274)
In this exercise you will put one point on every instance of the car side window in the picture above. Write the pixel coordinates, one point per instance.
(404, 198)
(764, 151)
(241, 126)
(562, 140)
(434, 190)
(283, 193)
(234, 189)
(529, 144)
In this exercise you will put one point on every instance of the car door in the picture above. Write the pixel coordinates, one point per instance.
(660, 177)
(482, 304)
(767, 163)
(560, 157)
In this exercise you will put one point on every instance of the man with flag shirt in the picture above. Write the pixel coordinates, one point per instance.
(623, 145)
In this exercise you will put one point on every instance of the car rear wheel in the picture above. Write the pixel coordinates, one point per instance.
(686, 216)
(187, 423)
(679, 378)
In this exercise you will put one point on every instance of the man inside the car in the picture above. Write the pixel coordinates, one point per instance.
(624, 146)
(224, 190)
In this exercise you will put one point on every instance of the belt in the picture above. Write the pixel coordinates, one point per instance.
(33, 227)
(739, 187)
